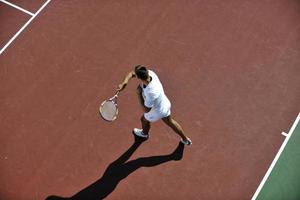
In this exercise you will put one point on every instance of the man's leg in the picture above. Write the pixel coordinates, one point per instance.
(144, 132)
(177, 128)
(145, 125)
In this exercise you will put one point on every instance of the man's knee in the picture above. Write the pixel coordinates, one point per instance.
(168, 120)
(144, 120)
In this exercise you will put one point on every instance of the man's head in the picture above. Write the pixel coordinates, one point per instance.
(141, 72)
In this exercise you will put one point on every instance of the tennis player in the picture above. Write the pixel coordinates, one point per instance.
(154, 101)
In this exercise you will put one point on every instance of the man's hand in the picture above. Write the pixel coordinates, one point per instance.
(126, 80)
(121, 86)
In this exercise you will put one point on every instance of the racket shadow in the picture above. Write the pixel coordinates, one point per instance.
(120, 169)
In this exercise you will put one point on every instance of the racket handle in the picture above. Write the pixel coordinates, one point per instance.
(117, 93)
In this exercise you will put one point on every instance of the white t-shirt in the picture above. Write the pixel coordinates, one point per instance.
(154, 95)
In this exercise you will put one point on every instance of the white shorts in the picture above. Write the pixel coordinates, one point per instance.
(155, 114)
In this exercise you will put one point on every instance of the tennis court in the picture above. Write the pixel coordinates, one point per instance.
(230, 69)
(282, 179)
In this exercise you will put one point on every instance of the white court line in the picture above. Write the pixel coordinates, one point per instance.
(17, 7)
(24, 26)
(276, 158)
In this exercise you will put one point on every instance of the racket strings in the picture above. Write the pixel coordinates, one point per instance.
(109, 110)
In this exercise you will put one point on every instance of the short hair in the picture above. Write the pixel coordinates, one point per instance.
(141, 72)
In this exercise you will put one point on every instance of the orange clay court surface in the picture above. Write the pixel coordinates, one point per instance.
(230, 68)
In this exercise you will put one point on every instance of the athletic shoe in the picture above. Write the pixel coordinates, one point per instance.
(188, 141)
(139, 132)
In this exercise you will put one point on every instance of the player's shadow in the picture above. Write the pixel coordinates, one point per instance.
(120, 169)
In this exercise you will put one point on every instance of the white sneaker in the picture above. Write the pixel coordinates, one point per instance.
(139, 132)
(188, 141)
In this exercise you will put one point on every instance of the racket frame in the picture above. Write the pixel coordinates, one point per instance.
(114, 100)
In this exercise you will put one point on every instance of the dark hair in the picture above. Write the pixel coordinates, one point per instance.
(141, 72)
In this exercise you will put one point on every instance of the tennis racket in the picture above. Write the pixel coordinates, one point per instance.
(109, 108)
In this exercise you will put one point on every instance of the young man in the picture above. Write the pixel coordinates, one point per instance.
(154, 101)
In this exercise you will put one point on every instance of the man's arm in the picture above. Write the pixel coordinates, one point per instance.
(126, 80)
(141, 99)
(150, 97)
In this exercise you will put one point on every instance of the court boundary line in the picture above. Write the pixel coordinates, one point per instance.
(24, 26)
(17, 7)
(262, 183)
